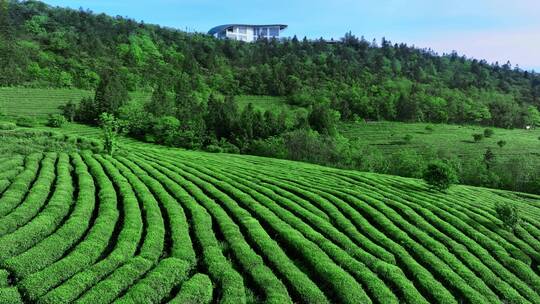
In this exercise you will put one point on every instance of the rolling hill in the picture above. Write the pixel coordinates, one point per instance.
(158, 225)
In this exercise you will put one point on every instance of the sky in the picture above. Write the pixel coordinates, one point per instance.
(495, 30)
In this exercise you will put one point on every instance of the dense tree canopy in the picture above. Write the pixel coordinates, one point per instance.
(54, 47)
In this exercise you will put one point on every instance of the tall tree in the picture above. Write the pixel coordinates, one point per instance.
(161, 103)
(111, 93)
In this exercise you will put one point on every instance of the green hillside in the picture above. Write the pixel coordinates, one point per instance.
(40, 103)
(158, 225)
(37, 102)
(51, 47)
(396, 148)
(450, 139)
(366, 193)
(20, 101)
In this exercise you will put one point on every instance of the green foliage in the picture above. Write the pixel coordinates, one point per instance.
(429, 128)
(27, 122)
(10, 295)
(7, 126)
(161, 103)
(501, 143)
(291, 230)
(111, 126)
(533, 116)
(488, 133)
(56, 121)
(87, 111)
(440, 175)
(489, 158)
(406, 163)
(508, 213)
(166, 130)
(25, 142)
(197, 290)
(323, 119)
(65, 48)
(38, 102)
(69, 110)
(111, 93)
(478, 137)
(408, 138)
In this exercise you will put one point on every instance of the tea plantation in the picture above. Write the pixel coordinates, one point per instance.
(161, 225)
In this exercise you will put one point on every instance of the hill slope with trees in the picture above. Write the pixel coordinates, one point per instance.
(193, 80)
(55, 47)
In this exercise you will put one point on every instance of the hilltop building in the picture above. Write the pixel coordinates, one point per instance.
(247, 32)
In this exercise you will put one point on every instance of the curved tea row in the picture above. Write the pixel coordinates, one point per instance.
(168, 226)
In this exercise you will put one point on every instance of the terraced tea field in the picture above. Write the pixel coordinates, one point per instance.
(40, 103)
(158, 225)
(452, 139)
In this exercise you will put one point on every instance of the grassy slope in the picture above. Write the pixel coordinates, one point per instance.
(37, 102)
(456, 140)
(452, 139)
(323, 234)
(42, 102)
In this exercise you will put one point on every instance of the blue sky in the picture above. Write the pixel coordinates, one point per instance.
(495, 30)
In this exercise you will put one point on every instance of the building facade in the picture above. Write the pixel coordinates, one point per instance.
(247, 32)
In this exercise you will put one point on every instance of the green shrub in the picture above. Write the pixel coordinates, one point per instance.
(27, 122)
(69, 110)
(408, 138)
(440, 175)
(197, 290)
(213, 149)
(7, 126)
(111, 127)
(488, 133)
(430, 128)
(56, 121)
(508, 214)
(10, 295)
(228, 147)
(4, 278)
(166, 130)
(501, 143)
(478, 137)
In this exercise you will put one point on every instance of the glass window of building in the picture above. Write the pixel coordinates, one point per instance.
(274, 32)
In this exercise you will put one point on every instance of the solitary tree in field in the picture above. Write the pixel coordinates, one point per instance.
(69, 110)
(478, 137)
(489, 158)
(488, 133)
(501, 143)
(111, 127)
(508, 214)
(440, 175)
